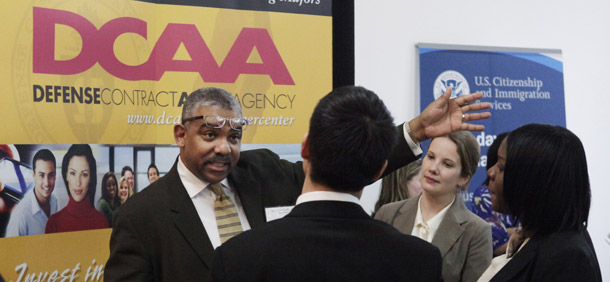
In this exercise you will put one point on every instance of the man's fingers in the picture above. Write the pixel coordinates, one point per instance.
(463, 100)
(472, 127)
(447, 93)
(475, 107)
(476, 116)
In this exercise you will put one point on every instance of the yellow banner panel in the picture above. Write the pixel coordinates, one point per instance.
(72, 256)
(117, 72)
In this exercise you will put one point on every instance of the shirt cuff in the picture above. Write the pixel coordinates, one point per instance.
(415, 147)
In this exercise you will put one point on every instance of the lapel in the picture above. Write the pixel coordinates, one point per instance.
(405, 217)
(250, 195)
(450, 229)
(520, 261)
(185, 218)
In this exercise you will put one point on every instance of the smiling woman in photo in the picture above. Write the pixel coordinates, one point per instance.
(110, 199)
(124, 191)
(79, 172)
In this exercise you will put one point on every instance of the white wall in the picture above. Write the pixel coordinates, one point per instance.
(386, 33)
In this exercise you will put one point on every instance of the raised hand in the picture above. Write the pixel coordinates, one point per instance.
(446, 115)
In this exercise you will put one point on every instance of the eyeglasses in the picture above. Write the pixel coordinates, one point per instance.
(219, 122)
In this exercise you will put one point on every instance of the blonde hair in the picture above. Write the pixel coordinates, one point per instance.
(129, 188)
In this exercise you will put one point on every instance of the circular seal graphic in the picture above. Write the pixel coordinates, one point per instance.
(452, 78)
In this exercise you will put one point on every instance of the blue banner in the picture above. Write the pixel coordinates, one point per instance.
(522, 85)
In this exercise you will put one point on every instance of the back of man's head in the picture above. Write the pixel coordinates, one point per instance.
(351, 134)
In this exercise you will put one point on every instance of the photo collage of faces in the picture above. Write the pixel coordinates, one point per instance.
(62, 188)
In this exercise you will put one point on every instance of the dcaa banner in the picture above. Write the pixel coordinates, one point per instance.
(113, 75)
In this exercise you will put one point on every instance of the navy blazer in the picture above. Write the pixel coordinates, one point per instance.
(326, 241)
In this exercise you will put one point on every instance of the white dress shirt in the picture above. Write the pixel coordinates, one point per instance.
(203, 198)
(415, 147)
(28, 218)
(327, 196)
(427, 229)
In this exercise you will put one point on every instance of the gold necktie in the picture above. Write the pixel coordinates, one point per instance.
(227, 218)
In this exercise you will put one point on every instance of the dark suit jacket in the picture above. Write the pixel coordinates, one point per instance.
(566, 256)
(158, 236)
(462, 237)
(326, 241)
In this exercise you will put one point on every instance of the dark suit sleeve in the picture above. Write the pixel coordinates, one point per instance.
(129, 260)
(401, 155)
(293, 170)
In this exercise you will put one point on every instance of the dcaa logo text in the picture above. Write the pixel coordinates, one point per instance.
(98, 46)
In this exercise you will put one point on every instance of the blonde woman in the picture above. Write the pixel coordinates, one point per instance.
(124, 190)
(439, 216)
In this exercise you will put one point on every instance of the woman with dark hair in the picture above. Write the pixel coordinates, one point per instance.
(541, 178)
(439, 216)
(110, 199)
(79, 172)
(502, 225)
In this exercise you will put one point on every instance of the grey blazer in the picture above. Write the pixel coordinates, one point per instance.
(463, 238)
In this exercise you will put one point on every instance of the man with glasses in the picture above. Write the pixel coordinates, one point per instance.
(169, 231)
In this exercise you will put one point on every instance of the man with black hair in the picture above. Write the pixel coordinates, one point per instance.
(328, 236)
(30, 216)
